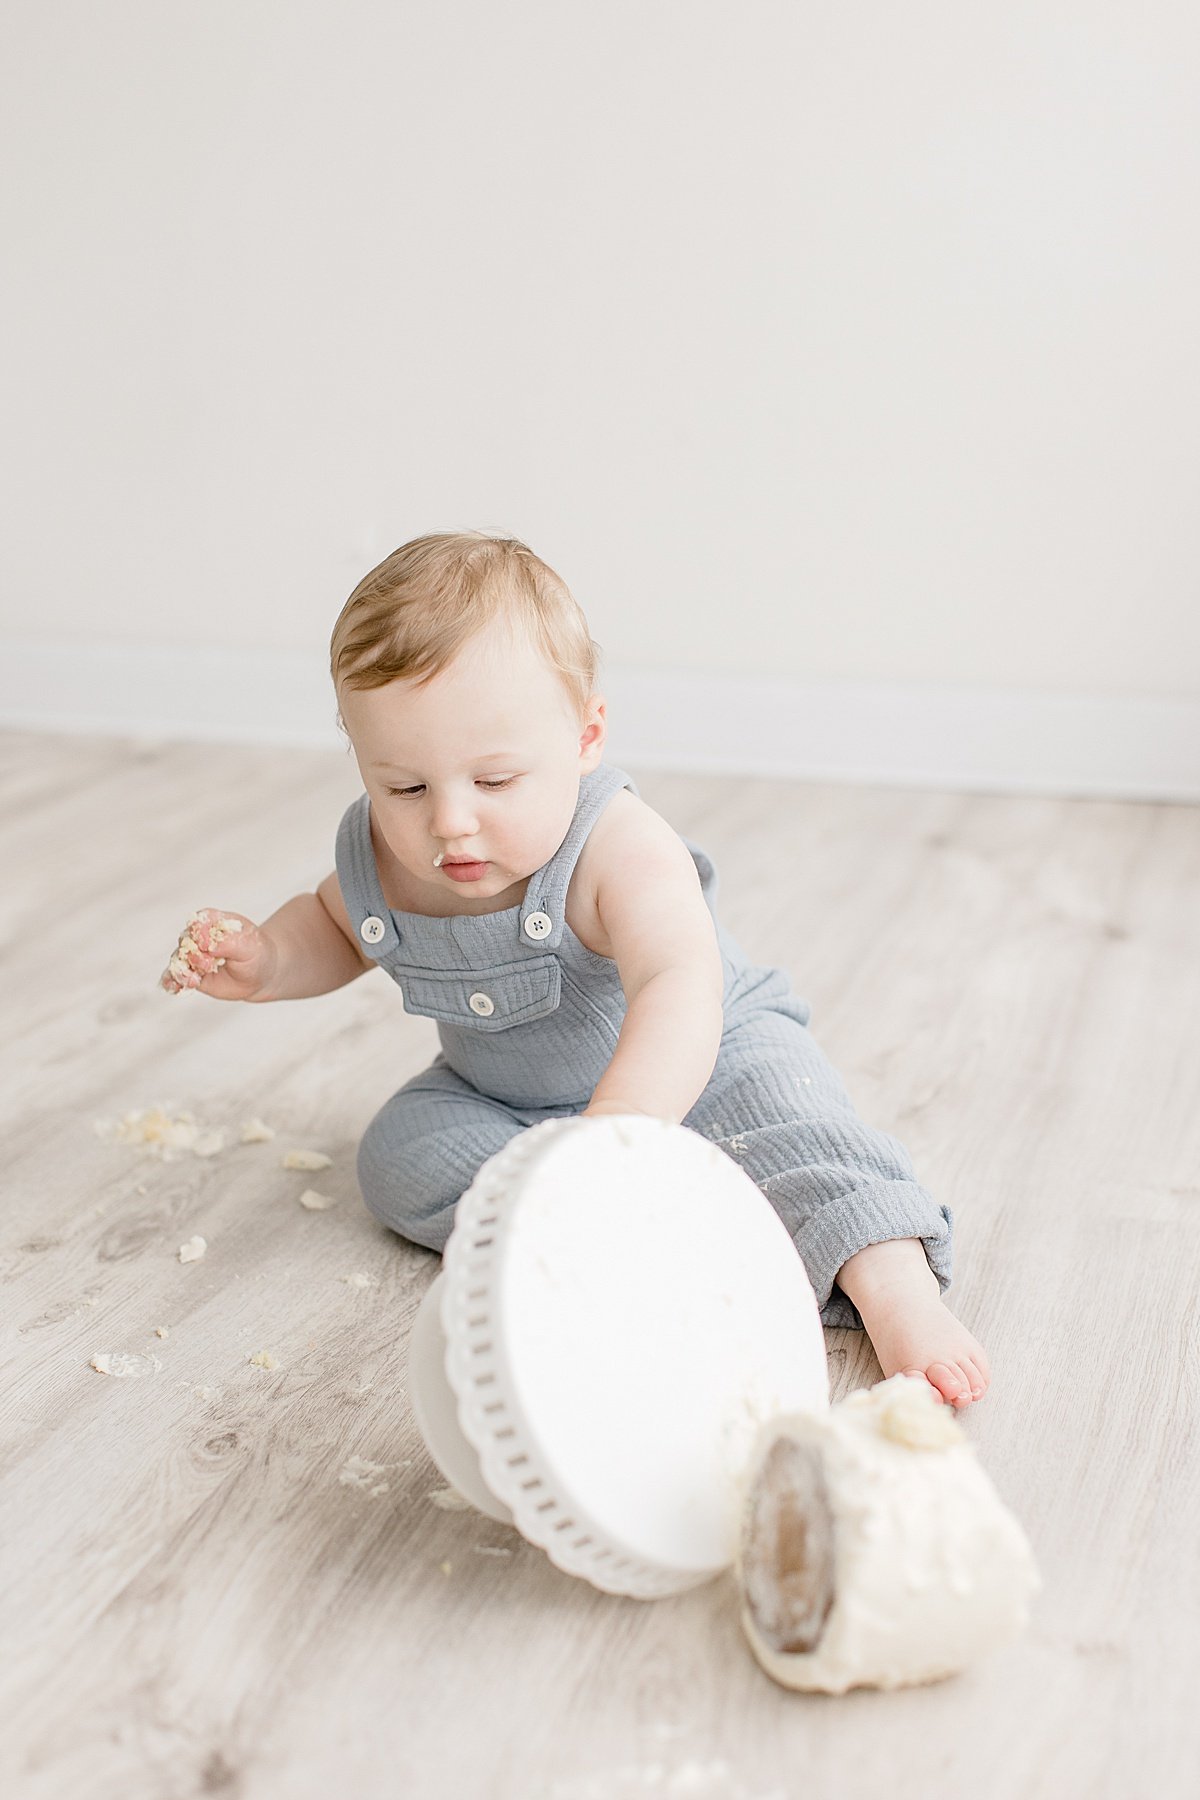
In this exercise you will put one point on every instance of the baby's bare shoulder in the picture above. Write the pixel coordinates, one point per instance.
(629, 838)
(628, 822)
(628, 829)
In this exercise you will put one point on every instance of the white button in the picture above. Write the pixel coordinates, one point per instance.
(538, 924)
(482, 1005)
(372, 929)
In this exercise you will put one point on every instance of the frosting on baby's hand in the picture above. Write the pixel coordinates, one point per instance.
(200, 937)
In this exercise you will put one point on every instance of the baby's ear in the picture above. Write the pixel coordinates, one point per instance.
(595, 730)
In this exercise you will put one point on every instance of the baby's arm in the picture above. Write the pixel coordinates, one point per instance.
(307, 947)
(665, 946)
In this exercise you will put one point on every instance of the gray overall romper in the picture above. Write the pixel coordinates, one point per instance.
(528, 1019)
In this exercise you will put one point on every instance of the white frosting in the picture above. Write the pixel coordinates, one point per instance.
(930, 1568)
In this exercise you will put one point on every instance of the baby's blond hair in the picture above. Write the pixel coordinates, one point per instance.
(408, 619)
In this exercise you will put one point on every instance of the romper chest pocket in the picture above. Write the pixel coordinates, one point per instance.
(492, 1000)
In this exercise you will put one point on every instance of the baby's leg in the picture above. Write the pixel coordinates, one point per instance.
(423, 1149)
(776, 1104)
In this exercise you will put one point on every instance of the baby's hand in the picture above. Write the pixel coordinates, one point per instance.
(221, 954)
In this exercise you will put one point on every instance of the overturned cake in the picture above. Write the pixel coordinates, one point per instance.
(874, 1550)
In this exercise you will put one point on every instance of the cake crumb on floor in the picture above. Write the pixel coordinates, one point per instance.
(449, 1499)
(122, 1362)
(307, 1159)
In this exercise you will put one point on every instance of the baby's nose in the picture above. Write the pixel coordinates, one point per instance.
(452, 819)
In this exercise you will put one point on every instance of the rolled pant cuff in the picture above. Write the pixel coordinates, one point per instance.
(871, 1215)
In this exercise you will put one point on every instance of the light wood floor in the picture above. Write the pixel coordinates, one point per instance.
(195, 1604)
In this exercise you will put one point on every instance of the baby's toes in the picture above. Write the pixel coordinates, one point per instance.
(922, 1376)
(976, 1379)
(950, 1382)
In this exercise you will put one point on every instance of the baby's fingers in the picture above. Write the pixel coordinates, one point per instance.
(215, 937)
(176, 985)
(205, 945)
(178, 975)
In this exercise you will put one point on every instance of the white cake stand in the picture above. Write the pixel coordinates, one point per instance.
(619, 1309)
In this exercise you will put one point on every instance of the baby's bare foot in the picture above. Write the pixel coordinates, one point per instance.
(911, 1329)
(917, 1334)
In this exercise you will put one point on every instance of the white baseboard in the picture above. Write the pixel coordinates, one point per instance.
(906, 735)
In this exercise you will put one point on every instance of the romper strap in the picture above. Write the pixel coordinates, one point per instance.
(358, 878)
(544, 909)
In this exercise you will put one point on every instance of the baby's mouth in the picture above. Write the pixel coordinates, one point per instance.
(462, 868)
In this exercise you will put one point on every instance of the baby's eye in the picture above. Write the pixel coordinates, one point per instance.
(409, 791)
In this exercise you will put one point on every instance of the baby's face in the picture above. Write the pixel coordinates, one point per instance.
(482, 762)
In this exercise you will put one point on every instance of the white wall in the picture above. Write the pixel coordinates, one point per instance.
(845, 345)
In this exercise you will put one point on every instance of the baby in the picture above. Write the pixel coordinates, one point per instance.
(564, 937)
